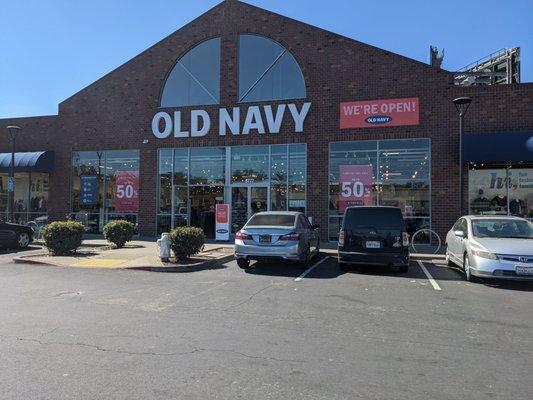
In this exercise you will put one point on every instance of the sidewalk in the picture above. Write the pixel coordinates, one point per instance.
(137, 254)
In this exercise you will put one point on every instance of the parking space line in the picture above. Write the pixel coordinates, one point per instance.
(310, 269)
(430, 278)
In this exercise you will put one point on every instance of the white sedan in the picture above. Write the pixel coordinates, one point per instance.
(491, 247)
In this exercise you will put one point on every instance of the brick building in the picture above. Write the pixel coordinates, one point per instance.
(246, 107)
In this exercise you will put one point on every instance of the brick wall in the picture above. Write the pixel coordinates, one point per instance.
(116, 111)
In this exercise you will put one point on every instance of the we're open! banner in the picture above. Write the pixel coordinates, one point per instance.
(375, 113)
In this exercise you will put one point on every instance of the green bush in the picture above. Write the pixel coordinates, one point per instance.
(186, 241)
(119, 232)
(62, 237)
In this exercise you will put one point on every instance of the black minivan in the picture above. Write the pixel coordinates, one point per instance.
(373, 236)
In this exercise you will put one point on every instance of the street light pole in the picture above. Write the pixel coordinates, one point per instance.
(13, 130)
(461, 104)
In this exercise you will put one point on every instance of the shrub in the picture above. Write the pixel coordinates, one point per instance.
(62, 237)
(186, 241)
(119, 232)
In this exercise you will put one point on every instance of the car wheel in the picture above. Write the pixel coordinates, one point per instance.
(243, 263)
(307, 255)
(468, 273)
(344, 267)
(448, 259)
(23, 240)
(404, 269)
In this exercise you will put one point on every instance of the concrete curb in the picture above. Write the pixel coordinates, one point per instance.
(28, 260)
(176, 268)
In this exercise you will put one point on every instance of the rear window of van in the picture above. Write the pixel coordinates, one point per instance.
(376, 218)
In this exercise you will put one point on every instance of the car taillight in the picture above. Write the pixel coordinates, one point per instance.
(405, 239)
(341, 238)
(242, 236)
(291, 237)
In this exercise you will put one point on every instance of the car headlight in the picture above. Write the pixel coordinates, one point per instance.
(484, 254)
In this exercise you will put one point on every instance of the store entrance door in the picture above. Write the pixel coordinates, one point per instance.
(245, 202)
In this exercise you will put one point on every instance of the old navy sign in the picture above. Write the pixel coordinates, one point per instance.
(258, 119)
(376, 113)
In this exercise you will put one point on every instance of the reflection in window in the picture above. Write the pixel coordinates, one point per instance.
(297, 177)
(208, 166)
(278, 177)
(400, 177)
(195, 79)
(249, 164)
(267, 71)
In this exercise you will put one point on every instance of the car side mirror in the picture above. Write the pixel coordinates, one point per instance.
(460, 234)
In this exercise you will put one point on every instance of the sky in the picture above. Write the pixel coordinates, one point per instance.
(51, 49)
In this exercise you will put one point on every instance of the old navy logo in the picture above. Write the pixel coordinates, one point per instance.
(222, 231)
(259, 119)
(379, 119)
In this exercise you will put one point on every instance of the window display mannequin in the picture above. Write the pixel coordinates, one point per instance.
(517, 207)
(499, 203)
(480, 204)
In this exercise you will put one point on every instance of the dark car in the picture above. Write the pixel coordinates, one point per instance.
(15, 235)
(373, 236)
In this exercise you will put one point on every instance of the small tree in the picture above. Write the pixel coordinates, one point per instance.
(62, 237)
(119, 232)
(186, 241)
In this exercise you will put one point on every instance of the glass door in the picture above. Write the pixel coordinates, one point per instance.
(245, 202)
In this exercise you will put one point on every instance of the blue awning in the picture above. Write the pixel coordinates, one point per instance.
(38, 161)
(498, 147)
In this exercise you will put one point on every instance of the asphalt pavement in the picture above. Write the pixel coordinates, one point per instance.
(273, 332)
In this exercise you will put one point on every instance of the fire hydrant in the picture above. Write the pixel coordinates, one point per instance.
(164, 247)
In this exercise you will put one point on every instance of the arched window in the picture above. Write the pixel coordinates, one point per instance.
(195, 79)
(267, 71)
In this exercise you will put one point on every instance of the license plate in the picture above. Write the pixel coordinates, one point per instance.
(373, 245)
(524, 270)
(264, 238)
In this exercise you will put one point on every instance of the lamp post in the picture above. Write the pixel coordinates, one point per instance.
(13, 130)
(461, 104)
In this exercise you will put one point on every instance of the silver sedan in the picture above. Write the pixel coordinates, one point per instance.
(278, 235)
(491, 247)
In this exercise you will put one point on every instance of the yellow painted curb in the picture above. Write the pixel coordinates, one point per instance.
(100, 263)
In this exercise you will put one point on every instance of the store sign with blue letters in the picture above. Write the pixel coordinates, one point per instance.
(258, 119)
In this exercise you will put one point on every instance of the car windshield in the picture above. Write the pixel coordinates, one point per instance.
(271, 220)
(502, 228)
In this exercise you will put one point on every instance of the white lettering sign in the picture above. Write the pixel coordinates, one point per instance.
(258, 119)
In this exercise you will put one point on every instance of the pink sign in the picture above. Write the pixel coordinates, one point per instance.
(355, 186)
(127, 191)
(375, 113)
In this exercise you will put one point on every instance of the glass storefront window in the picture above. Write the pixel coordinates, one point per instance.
(385, 172)
(3, 193)
(249, 164)
(207, 166)
(278, 177)
(165, 180)
(297, 177)
(105, 187)
(256, 178)
(501, 190)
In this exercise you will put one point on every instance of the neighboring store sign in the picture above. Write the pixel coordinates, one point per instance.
(89, 189)
(355, 186)
(264, 119)
(375, 113)
(222, 222)
(127, 191)
(10, 184)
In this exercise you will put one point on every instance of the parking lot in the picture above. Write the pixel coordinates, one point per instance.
(272, 332)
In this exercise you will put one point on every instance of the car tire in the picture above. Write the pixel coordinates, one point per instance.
(23, 240)
(307, 256)
(344, 267)
(449, 261)
(243, 263)
(404, 269)
(466, 269)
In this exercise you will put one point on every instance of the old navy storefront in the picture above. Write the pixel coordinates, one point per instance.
(229, 111)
